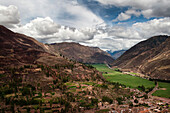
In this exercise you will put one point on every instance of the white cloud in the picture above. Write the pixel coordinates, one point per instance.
(44, 26)
(127, 15)
(149, 8)
(46, 29)
(147, 13)
(9, 16)
(133, 12)
(82, 17)
(107, 38)
(118, 37)
(64, 12)
(153, 27)
(122, 17)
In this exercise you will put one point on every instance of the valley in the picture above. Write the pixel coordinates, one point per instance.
(59, 78)
(113, 75)
(149, 57)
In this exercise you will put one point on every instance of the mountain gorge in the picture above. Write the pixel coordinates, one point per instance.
(150, 57)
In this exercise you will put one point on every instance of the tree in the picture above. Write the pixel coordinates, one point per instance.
(55, 81)
(119, 100)
(131, 104)
(12, 108)
(146, 96)
(136, 101)
(107, 99)
(142, 87)
(51, 103)
(26, 91)
(94, 101)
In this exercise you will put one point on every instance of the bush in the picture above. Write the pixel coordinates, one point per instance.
(131, 104)
(141, 88)
(119, 100)
(136, 101)
(90, 66)
(104, 86)
(146, 96)
(94, 101)
(107, 99)
(116, 69)
(48, 74)
(65, 79)
(40, 66)
(27, 66)
(149, 89)
(26, 91)
(55, 81)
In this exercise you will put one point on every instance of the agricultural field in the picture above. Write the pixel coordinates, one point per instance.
(128, 80)
(165, 92)
(132, 81)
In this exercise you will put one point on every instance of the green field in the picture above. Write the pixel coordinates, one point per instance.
(128, 80)
(163, 93)
(132, 81)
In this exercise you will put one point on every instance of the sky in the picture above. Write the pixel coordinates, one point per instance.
(107, 24)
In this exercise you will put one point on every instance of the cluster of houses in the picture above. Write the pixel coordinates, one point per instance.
(143, 104)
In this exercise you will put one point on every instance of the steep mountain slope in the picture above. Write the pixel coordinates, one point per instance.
(81, 53)
(150, 57)
(116, 54)
(18, 51)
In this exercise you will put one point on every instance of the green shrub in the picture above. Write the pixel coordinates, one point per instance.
(107, 99)
(119, 100)
(136, 101)
(94, 101)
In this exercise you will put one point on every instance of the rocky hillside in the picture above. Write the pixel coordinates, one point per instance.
(150, 57)
(81, 53)
(19, 51)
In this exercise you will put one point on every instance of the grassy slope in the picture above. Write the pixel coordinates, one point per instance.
(132, 81)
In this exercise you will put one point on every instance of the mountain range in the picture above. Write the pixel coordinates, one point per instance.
(18, 51)
(150, 57)
(81, 53)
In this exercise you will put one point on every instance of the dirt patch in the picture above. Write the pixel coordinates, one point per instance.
(162, 89)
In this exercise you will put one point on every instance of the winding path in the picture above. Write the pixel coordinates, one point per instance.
(154, 89)
(158, 98)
